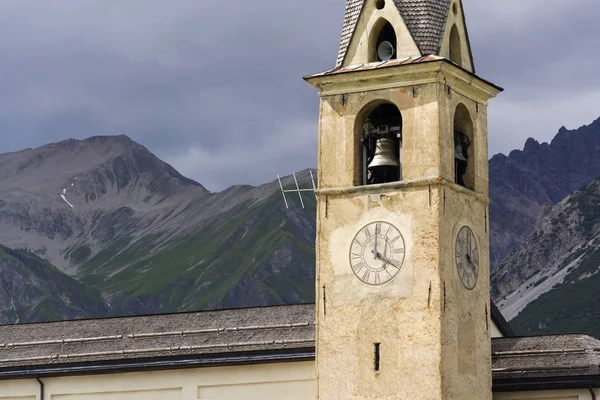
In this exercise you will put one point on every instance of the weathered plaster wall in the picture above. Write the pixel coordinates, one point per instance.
(290, 381)
(434, 334)
(402, 315)
(341, 124)
(466, 327)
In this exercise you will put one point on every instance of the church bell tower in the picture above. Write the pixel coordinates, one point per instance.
(403, 297)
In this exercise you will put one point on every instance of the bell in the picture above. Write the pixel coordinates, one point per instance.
(384, 154)
(459, 153)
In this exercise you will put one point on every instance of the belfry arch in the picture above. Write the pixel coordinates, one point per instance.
(379, 146)
(455, 46)
(464, 149)
(382, 31)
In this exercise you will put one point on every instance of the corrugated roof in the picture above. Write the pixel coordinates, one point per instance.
(425, 19)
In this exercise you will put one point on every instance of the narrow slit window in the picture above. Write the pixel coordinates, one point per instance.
(377, 356)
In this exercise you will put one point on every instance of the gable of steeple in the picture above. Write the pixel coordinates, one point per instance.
(425, 20)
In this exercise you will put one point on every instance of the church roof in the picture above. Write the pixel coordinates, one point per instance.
(425, 19)
(209, 337)
(255, 335)
(545, 362)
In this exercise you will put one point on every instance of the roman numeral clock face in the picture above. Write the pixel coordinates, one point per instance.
(377, 253)
(467, 258)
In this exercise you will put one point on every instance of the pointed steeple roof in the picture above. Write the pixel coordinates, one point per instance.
(425, 19)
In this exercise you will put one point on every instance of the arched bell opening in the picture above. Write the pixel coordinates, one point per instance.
(464, 156)
(455, 46)
(381, 144)
(382, 46)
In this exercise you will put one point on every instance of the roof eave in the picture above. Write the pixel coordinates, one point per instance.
(327, 80)
(158, 363)
(545, 383)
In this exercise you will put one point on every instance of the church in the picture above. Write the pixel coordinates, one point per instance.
(403, 306)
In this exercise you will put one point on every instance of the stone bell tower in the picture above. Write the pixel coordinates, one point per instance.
(402, 223)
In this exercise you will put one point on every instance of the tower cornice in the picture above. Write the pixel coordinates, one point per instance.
(410, 72)
(394, 187)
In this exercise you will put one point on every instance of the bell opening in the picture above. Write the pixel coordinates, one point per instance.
(461, 157)
(464, 149)
(383, 45)
(382, 141)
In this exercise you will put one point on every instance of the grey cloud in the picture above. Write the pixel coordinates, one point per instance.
(215, 87)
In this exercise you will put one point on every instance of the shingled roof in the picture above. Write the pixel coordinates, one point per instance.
(209, 337)
(425, 19)
(545, 362)
(254, 335)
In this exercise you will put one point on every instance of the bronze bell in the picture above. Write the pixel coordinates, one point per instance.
(385, 155)
(459, 152)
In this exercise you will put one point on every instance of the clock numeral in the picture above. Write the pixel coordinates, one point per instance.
(367, 232)
(399, 251)
(358, 267)
(393, 264)
(377, 278)
(356, 256)
(395, 239)
(366, 276)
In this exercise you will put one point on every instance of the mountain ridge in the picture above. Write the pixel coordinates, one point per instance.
(109, 213)
(541, 173)
(116, 218)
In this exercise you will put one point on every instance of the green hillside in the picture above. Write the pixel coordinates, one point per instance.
(34, 290)
(254, 254)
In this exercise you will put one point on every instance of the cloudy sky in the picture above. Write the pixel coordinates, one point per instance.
(214, 87)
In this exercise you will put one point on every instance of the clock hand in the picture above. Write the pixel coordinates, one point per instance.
(387, 260)
(472, 266)
(375, 251)
(469, 248)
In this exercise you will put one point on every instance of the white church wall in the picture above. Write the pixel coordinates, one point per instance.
(289, 381)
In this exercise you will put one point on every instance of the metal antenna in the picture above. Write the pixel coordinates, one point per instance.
(298, 189)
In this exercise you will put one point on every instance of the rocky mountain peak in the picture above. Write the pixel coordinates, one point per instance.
(115, 159)
(87, 190)
(531, 146)
(523, 181)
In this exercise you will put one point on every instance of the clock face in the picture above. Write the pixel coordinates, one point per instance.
(467, 257)
(377, 253)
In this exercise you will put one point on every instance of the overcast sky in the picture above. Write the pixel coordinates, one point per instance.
(214, 87)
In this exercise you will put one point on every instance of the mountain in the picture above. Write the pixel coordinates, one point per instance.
(522, 182)
(111, 215)
(557, 270)
(33, 290)
(117, 220)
